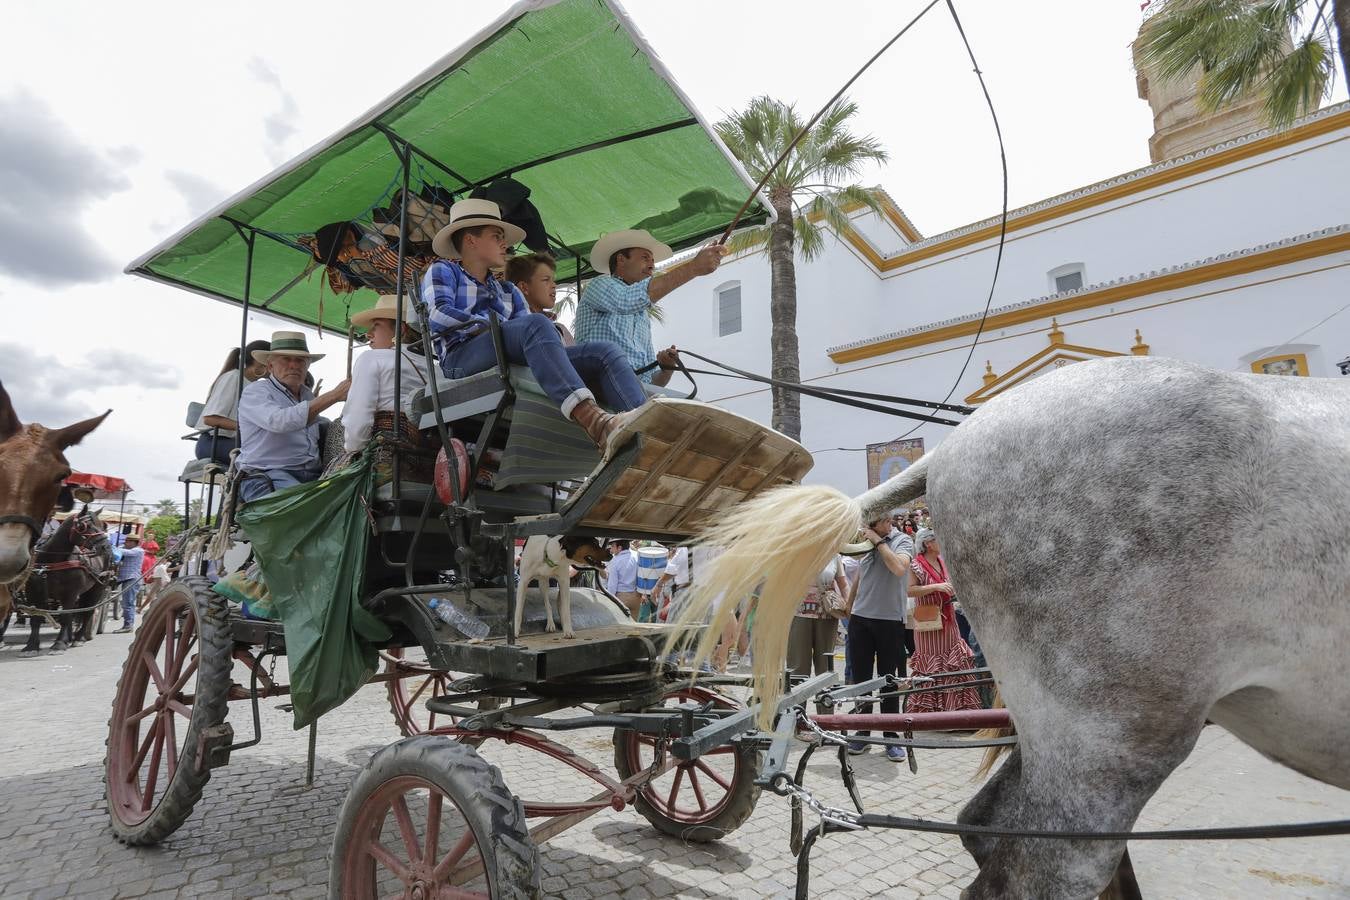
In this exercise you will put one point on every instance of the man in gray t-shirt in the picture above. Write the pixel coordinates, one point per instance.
(876, 611)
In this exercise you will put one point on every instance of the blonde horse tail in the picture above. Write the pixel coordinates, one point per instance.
(992, 754)
(773, 546)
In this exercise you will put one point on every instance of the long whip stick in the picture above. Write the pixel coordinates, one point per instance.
(816, 118)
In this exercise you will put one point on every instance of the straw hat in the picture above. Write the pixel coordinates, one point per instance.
(612, 243)
(467, 214)
(287, 343)
(385, 308)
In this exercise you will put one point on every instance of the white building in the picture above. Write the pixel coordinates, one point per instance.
(1234, 257)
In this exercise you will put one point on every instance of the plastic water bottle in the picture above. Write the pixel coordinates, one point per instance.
(464, 624)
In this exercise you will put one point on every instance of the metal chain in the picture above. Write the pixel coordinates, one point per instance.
(826, 737)
(843, 818)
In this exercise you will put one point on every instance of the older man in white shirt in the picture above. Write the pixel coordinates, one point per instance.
(372, 388)
(279, 419)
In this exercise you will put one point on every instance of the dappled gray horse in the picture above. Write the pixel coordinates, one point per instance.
(1142, 545)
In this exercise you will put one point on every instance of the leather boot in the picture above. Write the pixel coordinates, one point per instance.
(597, 423)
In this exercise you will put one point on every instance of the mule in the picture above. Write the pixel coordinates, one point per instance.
(83, 558)
(33, 469)
(1142, 545)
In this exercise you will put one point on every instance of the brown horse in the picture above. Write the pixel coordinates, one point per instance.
(73, 568)
(33, 468)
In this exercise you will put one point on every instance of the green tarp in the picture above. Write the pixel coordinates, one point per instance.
(566, 97)
(310, 541)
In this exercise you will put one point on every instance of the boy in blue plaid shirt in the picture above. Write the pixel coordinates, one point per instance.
(461, 291)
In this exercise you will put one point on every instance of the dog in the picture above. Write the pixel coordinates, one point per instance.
(547, 557)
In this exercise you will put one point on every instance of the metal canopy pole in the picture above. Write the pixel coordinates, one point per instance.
(249, 237)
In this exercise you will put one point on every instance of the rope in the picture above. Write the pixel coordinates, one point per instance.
(835, 395)
(1235, 833)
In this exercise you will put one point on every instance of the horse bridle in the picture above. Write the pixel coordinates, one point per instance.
(34, 529)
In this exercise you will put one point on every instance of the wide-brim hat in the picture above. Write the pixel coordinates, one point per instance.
(612, 243)
(385, 308)
(467, 214)
(287, 343)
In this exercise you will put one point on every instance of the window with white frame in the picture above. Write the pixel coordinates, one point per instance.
(1068, 277)
(729, 309)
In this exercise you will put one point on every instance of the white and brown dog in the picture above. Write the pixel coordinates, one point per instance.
(547, 557)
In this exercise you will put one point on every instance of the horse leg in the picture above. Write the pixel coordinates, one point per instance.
(34, 638)
(63, 636)
(1084, 776)
(983, 807)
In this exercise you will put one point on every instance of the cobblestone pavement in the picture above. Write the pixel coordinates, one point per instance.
(257, 833)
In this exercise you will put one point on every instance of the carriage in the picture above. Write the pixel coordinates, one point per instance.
(511, 466)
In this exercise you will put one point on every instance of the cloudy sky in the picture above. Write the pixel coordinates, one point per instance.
(124, 123)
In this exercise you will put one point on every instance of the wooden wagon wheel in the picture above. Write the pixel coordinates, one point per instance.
(429, 818)
(408, 695)
(173, 686)
(701, 800)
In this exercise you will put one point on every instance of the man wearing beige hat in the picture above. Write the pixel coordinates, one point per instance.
(279, 419)
(616, 305)
(461, 292)
(372, 388)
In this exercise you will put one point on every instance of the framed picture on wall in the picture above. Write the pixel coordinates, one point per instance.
(1288, 364)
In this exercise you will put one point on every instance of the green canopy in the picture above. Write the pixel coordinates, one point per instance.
(566, 97)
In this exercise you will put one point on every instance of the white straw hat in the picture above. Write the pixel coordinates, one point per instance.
(612, 243)
(468, 213)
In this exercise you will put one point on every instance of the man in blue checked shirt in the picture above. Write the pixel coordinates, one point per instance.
(616, 305)
(460, 291)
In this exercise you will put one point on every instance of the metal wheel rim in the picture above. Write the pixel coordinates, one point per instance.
(429, 683)
(686, 793)
(171, 665)
(423, 878)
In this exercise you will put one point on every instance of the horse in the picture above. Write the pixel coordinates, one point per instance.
(1143, 546)
(73, 566)
(33, 470)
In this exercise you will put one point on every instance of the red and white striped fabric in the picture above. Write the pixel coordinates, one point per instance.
(940, 651)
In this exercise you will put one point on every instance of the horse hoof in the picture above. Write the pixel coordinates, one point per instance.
(29, 652)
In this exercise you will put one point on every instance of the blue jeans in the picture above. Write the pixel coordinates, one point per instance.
(223, 446)
(563, 372)
(128, 589)
(260, 484)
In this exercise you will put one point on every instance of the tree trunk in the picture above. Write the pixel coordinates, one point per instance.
(1340, 14)
(787, 415)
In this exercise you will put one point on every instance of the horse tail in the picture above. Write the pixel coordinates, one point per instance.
(773, 546)
(992, 754)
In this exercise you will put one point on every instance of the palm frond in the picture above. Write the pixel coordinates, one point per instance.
(809, 237)
(1241, 48)
(748, 239)
(1298, 82)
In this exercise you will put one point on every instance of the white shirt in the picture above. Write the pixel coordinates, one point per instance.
(372, 390)
(678, 567)
(222, 401)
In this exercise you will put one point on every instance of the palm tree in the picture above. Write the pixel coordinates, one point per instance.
(807, 191)
(1285, 49)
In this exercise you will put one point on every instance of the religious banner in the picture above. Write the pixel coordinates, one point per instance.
(887, 460)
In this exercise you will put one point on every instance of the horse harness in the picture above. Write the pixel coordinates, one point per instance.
(34, 529)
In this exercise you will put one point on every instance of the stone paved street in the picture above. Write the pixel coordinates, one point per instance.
(255, 833)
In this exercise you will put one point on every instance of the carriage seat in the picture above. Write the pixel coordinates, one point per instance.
(201, 471)
(474, 395)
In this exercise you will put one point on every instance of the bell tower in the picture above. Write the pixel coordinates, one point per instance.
(1180, 125)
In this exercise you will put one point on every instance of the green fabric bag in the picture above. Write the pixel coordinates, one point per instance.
(310, 541)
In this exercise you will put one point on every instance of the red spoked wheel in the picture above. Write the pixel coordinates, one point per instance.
(701, 800)
(174, 685)
(408, 694)
(429, 818)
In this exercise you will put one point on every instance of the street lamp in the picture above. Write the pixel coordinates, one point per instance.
(1344, 366)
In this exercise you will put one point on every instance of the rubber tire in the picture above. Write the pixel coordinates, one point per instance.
(739, 807)
(494, 814)
(215, 647)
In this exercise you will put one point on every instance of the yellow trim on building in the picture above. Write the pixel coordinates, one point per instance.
(1294, 135)
(1299, 360)
(1240, 265)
